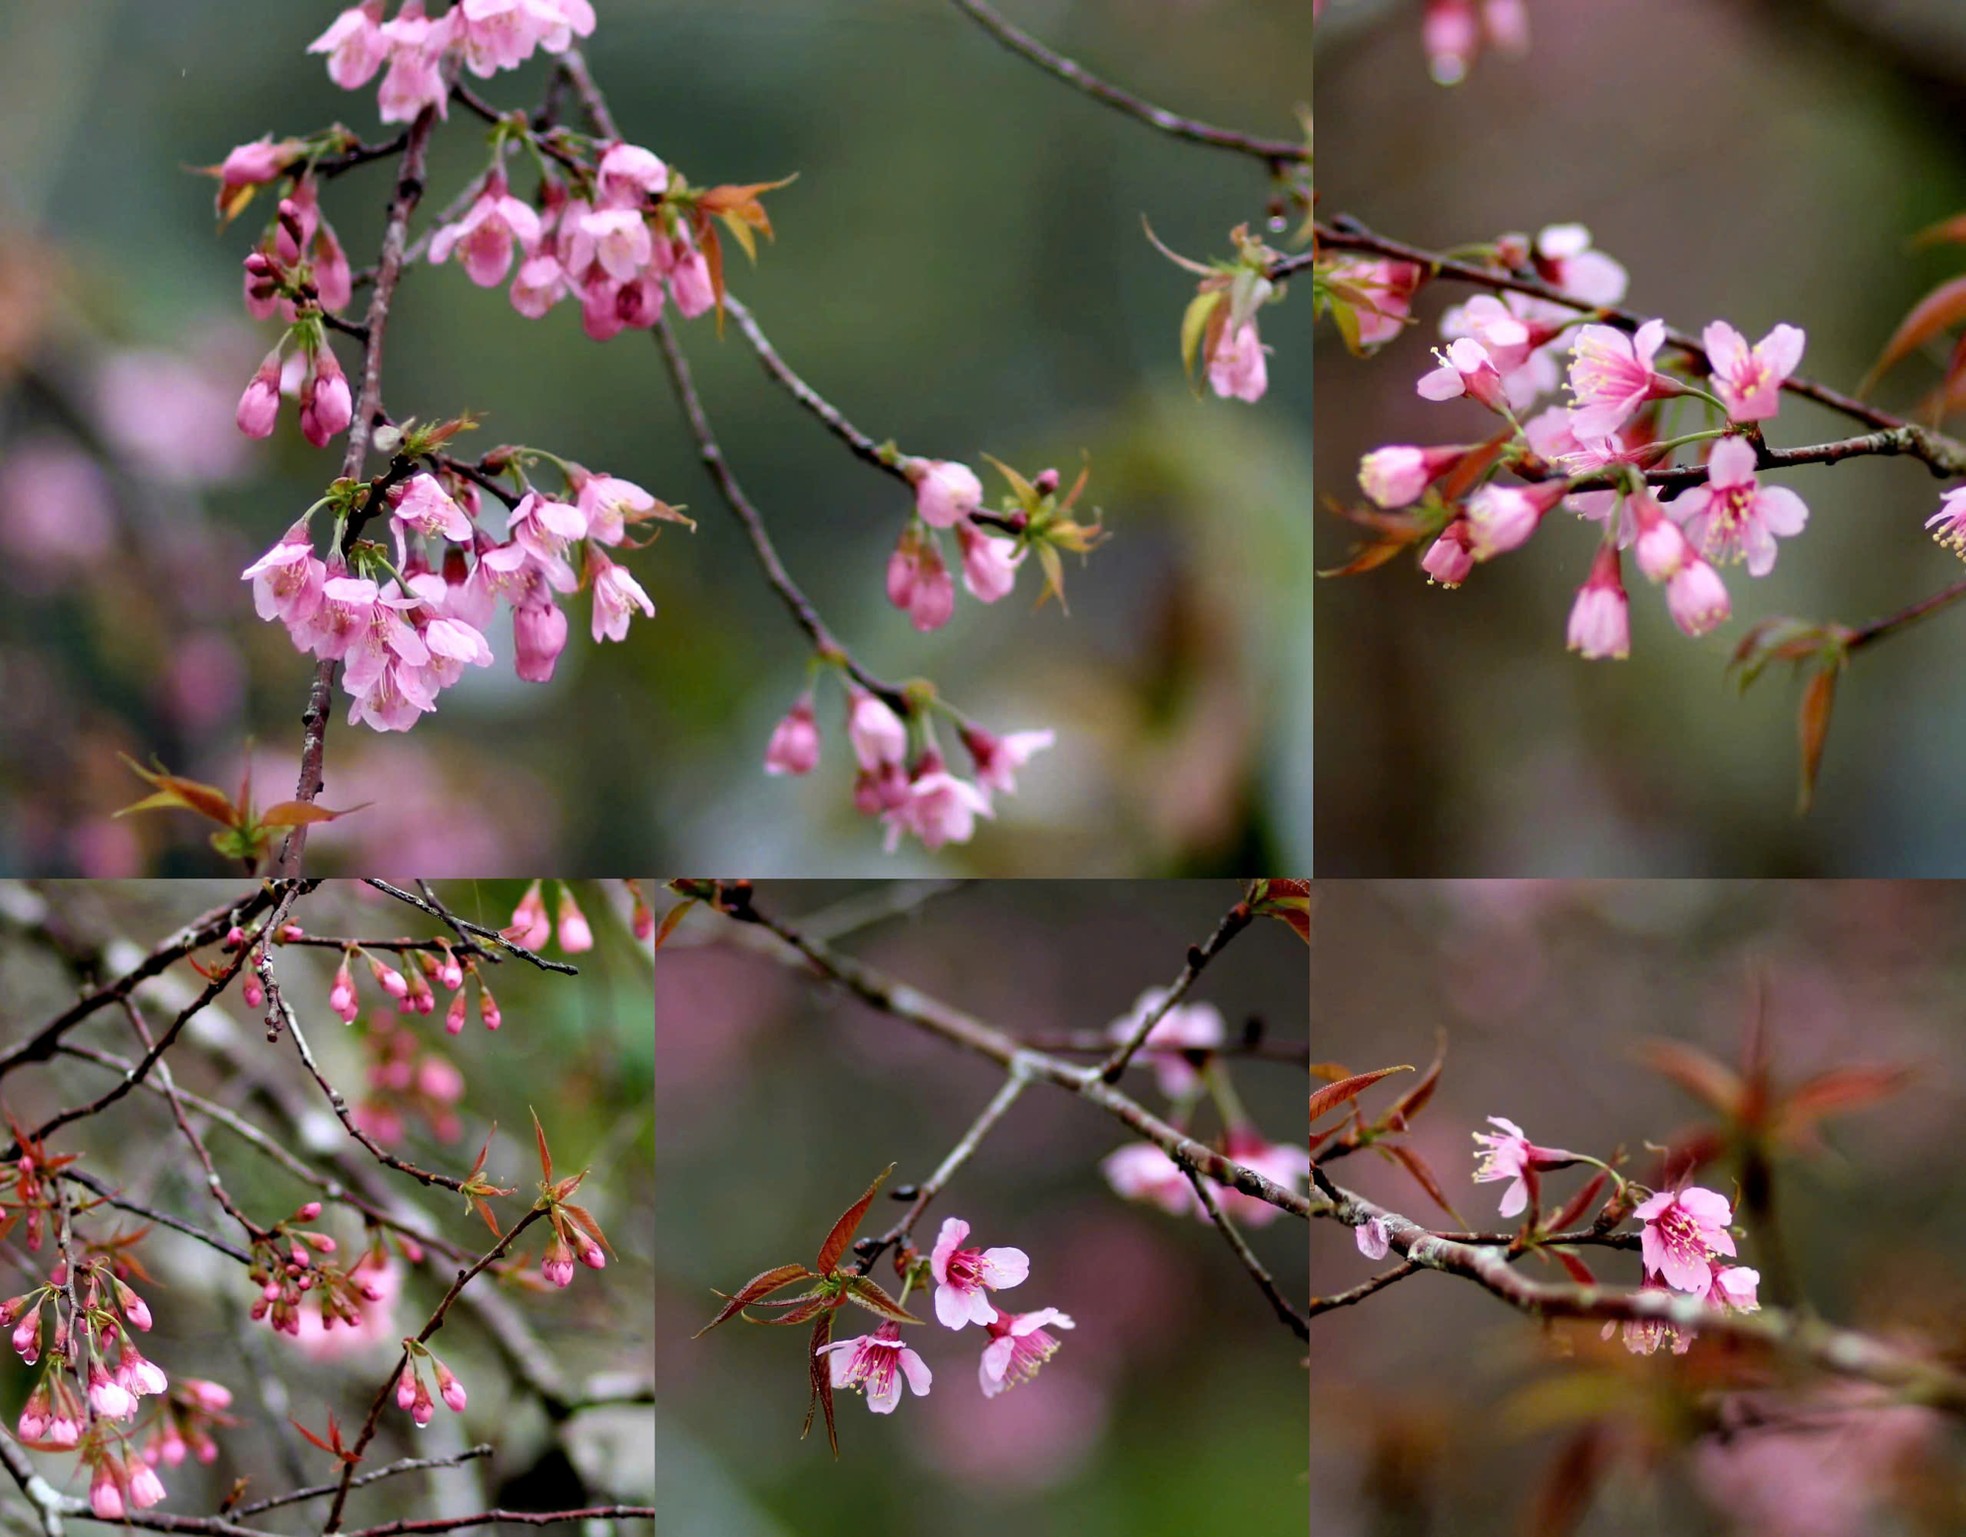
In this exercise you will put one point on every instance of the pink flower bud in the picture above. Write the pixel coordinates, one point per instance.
(341, 997)
(1448, 560)
(557, 1264)
(255, 992)
(794, 745)
(134, 1307)
(593, 1258)
(1600, 619)
(1697, 598)
(105, 1495)
(450, 1389)
(259, 407)
(308, 1211)
(326, 407)
(390, 978)
(989, 563)
(945, 492)
(454, 1015)
(406, 1386)
(530, 926)
(574, 933)
(876, 732)
(539, 635)
(488, 1007)
(27, 1337)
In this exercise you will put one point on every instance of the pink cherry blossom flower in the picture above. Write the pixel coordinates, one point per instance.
(963, 1276)
(108, 1397)
(794, 745)
(1142, 1171)
(939, 808)
(424, 506)
(1682, 1228)
(1465, 369)
(1373, 1241)
(1387, 289)
(945, 492)
(1600, 619)
(449, 1388)
(1697, 598)
(616, 595)
(1281, 1163)
(1948, 524)
(416, 76)
(1611, 376)
(1643, 1336)
(997, 759)
(617, 237)
(1747, 379)
(1237, 369)
(572, 929)
(876, 732)
(1448, 559)
(138, 1374)
(1018, 1346)
(252, 165)
(543, 528)
(989, 563)
(486, 233)
(1186, 1027)
(1397, 475)
(1733, 515)
(1502, 518)
(689, 279)
(341, 996)
(1661, 548)
(918, 583)
(1514, 338)
(876, 1364)
(106, 1491)
(354, 44)
(540, 284)
(539, 635)
(288, 579)
(326, 407)
(1563, 258)
(501, 34)
(611, 504)
(1512, 1156)
(628, 175)
(1734, 1287)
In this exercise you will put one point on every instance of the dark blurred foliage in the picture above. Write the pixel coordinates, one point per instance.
(1437, 1409)
(960, 265)
(1757, 160)
(577, 1050)
(1175, 1405)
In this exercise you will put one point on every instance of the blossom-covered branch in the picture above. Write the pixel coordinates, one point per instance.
(99, 1405)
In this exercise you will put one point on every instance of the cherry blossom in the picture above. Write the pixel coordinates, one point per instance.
(1682, 1229)
(1450, 558)
(1611, 376)
(1466, 369)
(794, 745)
(1372, 1239)
(354, 44)
(1142, 1171)
(876, 732)
(1387, 289)
(1697, 598)
(1502, 518)
(937, 807)
(1512, 1156)
(1399, 474)
(416, 47)
(997, 759)
(945, 492)
(1563, 257)
(1281, 1163)
(1018, 1346)
(1183, 1028)
(1747, 379)
(1236, 365)
(964, 1276)
(485, 235)
(989, 564)
(917, 581)
(616, 595)
(1948, 524)
(425, 507)
(1600, 619)
(876, 1364)
(288, 579)
(1733, 516)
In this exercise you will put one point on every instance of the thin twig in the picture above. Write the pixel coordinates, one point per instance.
(1293, 1320)
(1233, 922)
(466, 929)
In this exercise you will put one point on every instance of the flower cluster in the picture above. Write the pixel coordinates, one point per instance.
(413, 1394)
(405, 621)
(411, 988)
(88, 1393)
(1019, 1343)
(531, 927)
(1182, 1048)
(405, 1078)
(486, 35)
(1506, 352)
(1685, 1244)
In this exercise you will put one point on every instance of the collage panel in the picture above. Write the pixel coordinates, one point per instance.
(1636, 1210)
(519, 435)
(1641, 409)
(982, 1208)
(325, 1208)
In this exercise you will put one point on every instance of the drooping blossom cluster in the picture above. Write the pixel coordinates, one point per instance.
(413, 1393)
(964, 1276)
(88, 1394)
(1183, 1049)
(404, 1078)
(1221, 325)
(405, 621)
(531, 927)
(412, 988)
(1507, 352)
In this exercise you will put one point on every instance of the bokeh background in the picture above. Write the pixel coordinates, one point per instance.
(1758, 160)
(578, 1050)
(1177, 1404)
(1437, 1409)
(960, 265)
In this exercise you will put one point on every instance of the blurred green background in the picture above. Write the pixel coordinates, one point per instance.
(961, 266)
(577, 1050)
(1436, 1409)
(1177, 1403)
(1758, 160)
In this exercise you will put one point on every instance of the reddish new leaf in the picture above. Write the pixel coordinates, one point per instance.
(1712, 1083)
(760, 1285)
(821, 1377)
(1414, 1100)
(545, 1157)
(1578, 1204)
(843, 1230)
(1579, 1271)
(870, 1296)
(671, 918)
(1332, 1095)
(1838, 1091)
(801, 1311)
(1812, 725)
(1417, 1166)
(1939, 311)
